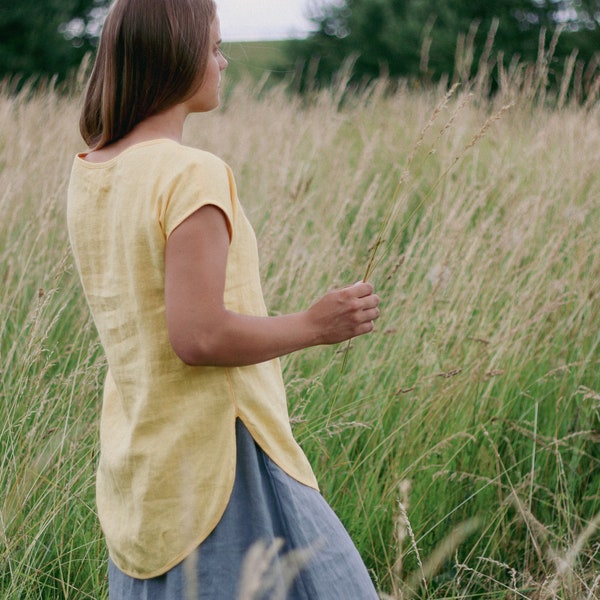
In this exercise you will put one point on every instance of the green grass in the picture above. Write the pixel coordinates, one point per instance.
(460, 442)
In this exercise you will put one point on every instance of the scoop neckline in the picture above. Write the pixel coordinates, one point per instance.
(81, 156)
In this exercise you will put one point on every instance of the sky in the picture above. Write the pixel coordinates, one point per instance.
(249, 20)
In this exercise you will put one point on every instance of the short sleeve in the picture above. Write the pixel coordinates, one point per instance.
(205, 180)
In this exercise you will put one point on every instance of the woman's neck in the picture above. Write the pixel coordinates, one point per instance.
(166, 125)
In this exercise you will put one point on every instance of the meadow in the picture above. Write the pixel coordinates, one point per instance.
(460, 442)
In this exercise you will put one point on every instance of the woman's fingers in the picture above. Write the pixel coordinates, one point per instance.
(346, 312)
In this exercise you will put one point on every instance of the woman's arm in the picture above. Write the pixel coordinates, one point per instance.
(203, 332)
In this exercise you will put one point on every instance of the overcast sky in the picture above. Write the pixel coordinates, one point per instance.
(246, 20)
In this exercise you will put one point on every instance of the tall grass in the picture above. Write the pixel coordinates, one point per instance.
(459, 443)
(50, 364)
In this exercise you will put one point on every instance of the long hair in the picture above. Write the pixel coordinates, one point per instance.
(152, 55)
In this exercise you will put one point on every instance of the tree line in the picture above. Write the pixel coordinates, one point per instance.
(417, 39)
(47, 39)
(427, 40)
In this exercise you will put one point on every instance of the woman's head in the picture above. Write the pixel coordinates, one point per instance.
(152, 56)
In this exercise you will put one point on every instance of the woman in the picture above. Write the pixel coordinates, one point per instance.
(198, 462)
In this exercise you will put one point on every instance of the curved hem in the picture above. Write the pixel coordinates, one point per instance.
(190, 548)
(200, 538)
(285, 469)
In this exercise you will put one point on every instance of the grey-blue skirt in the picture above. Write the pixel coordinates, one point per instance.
(278, 539)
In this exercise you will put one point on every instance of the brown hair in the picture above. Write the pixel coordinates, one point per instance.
(152, 55)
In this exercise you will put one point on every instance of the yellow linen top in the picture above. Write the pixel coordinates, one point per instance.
(167, 434)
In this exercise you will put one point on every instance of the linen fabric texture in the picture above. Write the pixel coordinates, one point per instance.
(267, 510)
(167, 431)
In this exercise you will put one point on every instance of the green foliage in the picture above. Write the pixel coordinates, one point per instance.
(429, 40)
(258, 61)
(46, 38)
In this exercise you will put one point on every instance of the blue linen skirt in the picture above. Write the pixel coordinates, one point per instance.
(277, 540)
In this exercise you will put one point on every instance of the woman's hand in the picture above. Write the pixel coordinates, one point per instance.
(344, 313)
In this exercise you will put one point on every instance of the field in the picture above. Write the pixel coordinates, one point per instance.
(460, 443)
(257, 61)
